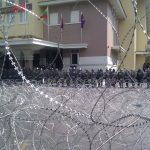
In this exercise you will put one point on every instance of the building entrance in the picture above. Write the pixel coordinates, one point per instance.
(54, 59)
(36, 60)
(49, 59)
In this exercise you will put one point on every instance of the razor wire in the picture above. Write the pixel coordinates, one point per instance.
(41, 117)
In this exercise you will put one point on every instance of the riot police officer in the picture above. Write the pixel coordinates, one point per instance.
(139, 77)
(126, 77)
(121, 78)
(148, 77)
(99, 77)
(133, 78)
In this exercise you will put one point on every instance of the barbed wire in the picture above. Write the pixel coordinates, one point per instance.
(41, 117)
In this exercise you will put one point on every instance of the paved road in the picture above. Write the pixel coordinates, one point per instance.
(74, 118)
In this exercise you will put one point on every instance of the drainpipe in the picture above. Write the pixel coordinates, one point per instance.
(48, 22)
(135, 47)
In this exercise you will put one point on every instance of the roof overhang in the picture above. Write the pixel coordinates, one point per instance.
(118, 8)
(142, 52)
(56, 2)
(118, 48)
(115, 48)
(117, 5)
(38, 44)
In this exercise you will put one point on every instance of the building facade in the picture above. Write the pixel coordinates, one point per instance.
(76, 33)
(136, 46)
(21, 28)
(97, 32)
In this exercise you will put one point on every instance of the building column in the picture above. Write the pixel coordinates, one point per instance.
(135, 48)
(42, 58)
(28, 56)
(17, 54)
(25, 58)
(148, 16)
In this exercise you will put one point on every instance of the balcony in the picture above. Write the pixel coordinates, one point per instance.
(55, 2)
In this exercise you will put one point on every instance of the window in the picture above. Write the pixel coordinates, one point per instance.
(74, 58)
(54, 19)
(1, 19)
(22, 1)
(9, 4)
(29, 6)
(25, 4)
(0, 3)
(10, 18)
(114, 58)
(23, 16)
(115, 61)
(74, 18)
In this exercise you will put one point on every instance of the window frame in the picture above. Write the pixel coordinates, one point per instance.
(1, 3)
(8, 4)
(51, 17)
(9, 17)
(21, 1)
(75, 16)
(24, 18)
(1, 20)
(71, 59)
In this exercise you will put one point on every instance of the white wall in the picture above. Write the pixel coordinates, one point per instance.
(94, 62)
(66, 63)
